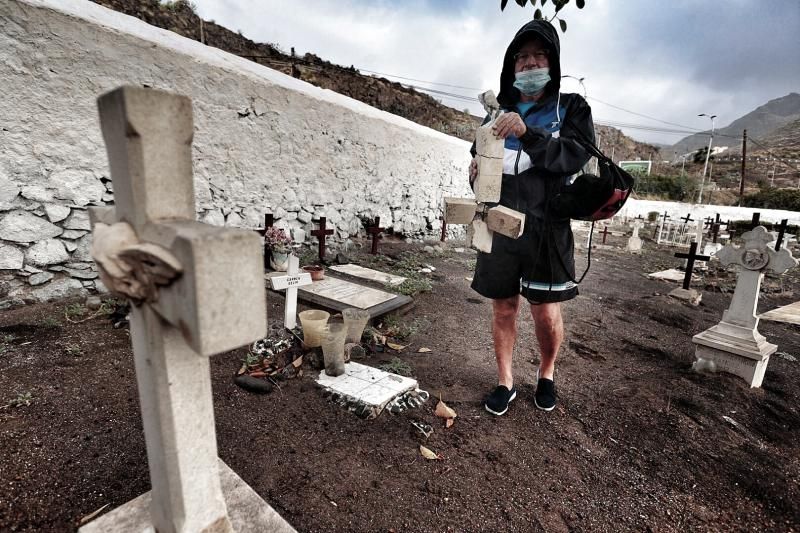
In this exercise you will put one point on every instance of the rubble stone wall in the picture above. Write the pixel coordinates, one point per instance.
(264, 142)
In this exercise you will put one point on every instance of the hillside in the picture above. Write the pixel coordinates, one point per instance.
(759, 123)
(179, 17)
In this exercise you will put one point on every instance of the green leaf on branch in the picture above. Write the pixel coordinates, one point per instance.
(503, 4)
(537, 15)
(521, 3)
(580, 3)
(563, 24)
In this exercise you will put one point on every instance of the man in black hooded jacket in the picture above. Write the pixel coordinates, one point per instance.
(541, 128)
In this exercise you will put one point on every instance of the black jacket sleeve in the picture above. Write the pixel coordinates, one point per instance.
(562, 155)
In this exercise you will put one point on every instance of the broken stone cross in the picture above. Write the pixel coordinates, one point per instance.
(291, 281)
(197, 291)
(735, 345)
(321, 234)
(483, 221)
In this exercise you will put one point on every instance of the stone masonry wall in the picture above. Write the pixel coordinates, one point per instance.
(264, 142)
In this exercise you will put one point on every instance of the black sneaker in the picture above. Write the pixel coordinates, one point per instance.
(545, 397)
(498, 400)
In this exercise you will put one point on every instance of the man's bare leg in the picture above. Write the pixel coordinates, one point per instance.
(504, 332)
(549, 328)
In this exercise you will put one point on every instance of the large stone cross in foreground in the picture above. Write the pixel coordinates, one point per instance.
(197, 290)
(735, 345)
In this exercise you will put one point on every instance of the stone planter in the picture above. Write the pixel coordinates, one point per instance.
(317, 272)
(279, 261)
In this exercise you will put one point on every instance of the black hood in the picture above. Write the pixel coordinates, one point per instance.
(509, 95)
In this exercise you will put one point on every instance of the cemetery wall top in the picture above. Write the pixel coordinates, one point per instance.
(264, 142)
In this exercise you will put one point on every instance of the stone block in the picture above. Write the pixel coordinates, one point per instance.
(56, 213)
(750, 370)
(687, 295)
(40, 278)
(247, 511)
(46, 252)
(479, 236)
(22, 226)
(490, 179)
(459, 210)
(506, 221)
(11, 257)
(60, 288)
(78, 220)
(487, 143)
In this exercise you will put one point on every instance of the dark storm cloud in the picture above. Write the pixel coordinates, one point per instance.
(721, 45)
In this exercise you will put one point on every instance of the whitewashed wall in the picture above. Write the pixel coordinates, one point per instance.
(263, 142)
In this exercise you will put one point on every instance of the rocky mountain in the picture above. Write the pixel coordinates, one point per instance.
(759, 123)
(179, 16)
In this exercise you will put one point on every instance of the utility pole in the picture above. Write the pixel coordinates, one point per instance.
(202, 36)
(744, 166)
(708, 153)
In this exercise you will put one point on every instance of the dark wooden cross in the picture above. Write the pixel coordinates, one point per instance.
(781, 231)
(691, 257)
(716, 219)
(268, 221)
(605, 234)
(715, 231)
(375, 231)
(688, 218)
(321, 234)
(444, 228)
(708, 222)
(665, 216)
(756, 220)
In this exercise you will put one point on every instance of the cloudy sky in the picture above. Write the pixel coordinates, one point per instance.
(669, 60)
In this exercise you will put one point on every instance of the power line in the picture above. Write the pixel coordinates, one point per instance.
(421, 81)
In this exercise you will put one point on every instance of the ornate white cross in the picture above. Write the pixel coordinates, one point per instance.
(735, 345)
(291, 281)
(198, 290)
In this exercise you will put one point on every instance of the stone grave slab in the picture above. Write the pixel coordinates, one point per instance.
(357, 271)
(672, 274)
(367, 385)
(339, 294)
(247, 511)
(790, 314)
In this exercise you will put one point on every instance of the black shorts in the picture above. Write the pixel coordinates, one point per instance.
(540, 265)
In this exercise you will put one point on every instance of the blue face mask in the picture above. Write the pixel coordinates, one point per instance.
(533, 81)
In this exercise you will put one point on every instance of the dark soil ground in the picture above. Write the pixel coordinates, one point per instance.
(637, 442)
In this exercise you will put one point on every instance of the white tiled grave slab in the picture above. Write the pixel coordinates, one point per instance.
(350, 294)
(673, 274)
(366, 384)
(789, 314)
(358, 271)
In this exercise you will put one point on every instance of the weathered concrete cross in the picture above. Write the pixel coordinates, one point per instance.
(321, 234)
(197, 291)
(691, 257)
(756, 220)
(375, 231)
(735, 345)
(291, 281)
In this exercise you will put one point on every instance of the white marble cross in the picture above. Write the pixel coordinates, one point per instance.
(291, 281)
(735, 343)
(215, 303)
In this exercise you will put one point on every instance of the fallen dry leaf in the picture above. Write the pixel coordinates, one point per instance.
(242, 370)
(443, 411)
(258, 374)
(449, 422)
(423, 350)
(394, 346)
(428, 454)
(298, 362)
